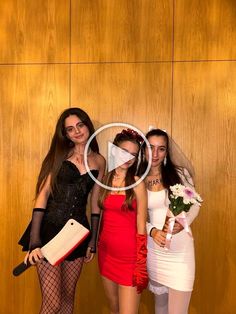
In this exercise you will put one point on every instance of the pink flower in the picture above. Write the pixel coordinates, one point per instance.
(189, 193)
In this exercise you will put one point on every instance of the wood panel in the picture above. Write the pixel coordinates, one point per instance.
(114, 31)
(203, 119)
(139, 94)
(31, 99)
(34, 31)
(205, 30)
(204, 124)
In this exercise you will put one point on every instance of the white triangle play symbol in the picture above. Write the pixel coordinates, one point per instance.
(117, 156)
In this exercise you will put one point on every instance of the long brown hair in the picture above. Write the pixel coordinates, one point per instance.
(61, 146)
(131, 136)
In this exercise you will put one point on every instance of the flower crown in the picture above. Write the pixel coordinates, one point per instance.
(133, 134)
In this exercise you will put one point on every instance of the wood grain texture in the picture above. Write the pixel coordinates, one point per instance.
(115, 31)
(202, 119)
(205, 30)
(31, 99)
(204, 124)
(139, 94)
(34, 31)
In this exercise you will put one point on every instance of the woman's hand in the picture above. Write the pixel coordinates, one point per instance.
(89, 255)
(33, 257)
(176, 229)
(159, 237)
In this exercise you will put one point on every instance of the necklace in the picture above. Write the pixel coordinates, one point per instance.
(117, 191)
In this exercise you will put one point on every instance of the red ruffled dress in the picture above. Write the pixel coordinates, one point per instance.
(117, 240)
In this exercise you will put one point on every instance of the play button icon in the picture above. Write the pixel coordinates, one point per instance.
(117, 156)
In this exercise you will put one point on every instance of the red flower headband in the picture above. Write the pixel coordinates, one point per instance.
(133, 134)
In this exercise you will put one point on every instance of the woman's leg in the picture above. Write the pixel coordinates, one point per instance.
(111, 291)
(161, 303)
(128, 300)
(50, 283)
(178, 301)
(161, 296)
(69, 276)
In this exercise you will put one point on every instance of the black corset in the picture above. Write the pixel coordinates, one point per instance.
(69, 198)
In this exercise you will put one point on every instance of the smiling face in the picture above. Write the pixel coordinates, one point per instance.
(133, 149)
(159, 149)
(76, 130)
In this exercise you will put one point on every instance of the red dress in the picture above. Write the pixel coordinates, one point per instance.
(117, 240)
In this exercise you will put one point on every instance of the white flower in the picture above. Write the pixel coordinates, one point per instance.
(193, 201)
(186, 201)
(198, 197)
(177, 190)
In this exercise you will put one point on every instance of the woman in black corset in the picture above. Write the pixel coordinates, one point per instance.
(61, 193)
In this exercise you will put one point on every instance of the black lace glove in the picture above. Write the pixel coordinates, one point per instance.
(95, 219)
(35, 239)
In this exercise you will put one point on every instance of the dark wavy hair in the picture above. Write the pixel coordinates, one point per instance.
(124, 136)
(169, 172)
(61, 146)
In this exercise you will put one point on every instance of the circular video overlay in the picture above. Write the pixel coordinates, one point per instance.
(124, 125)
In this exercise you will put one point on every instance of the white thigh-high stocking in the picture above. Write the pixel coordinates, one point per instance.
(169, 301)
(161, 303)
(161, 297)
(178, 302)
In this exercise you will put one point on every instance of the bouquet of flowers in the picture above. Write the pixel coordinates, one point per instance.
(181, 199)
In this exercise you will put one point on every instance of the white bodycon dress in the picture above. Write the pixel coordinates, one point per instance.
(173, 268)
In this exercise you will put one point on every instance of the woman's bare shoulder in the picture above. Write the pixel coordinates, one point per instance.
(100, 160)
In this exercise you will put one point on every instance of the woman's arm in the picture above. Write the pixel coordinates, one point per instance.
(95, 212)
(35, 254)
(194, 209)
(140, 276)
(149, 226)
(158, 236)
(42, 197)
(141, 198)
(96, 188)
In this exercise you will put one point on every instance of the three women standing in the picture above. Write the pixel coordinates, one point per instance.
(62, 190)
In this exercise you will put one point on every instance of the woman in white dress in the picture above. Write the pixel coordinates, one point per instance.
(171, 272)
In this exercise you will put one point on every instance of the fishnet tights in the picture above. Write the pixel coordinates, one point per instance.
(58, 285)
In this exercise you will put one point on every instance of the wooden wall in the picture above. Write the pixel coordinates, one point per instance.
(145, 62)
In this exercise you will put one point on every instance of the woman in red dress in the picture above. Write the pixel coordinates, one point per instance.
(122, 241)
